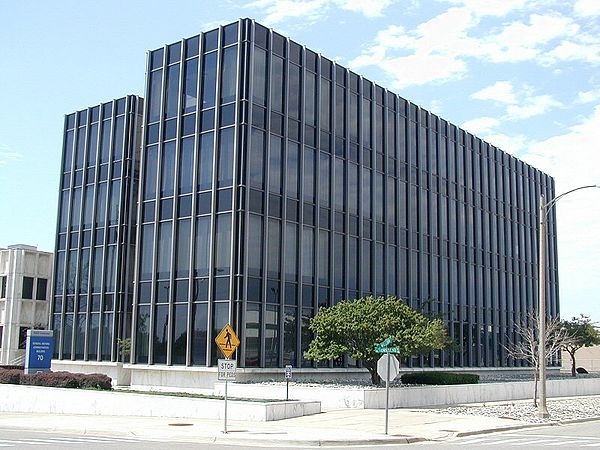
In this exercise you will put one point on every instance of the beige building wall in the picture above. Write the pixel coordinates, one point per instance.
(586, 357)
(20, 310)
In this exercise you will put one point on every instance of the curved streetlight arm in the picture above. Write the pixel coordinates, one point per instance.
(543, 215)
(552, 202)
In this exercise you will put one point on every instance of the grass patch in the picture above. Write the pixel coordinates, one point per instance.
(204, 396)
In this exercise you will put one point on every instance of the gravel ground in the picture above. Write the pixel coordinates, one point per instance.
(560, 410)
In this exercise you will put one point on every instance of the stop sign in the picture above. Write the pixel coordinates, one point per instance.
(382, 367)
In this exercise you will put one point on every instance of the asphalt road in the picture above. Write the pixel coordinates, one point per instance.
(582, 435)
(577, 435)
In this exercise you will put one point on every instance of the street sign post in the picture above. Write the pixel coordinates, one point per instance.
(388, 368)
(228, 342)
(38, 351)
(288, 377)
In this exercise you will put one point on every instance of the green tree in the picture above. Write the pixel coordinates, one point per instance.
(583, 333)
(355, 327)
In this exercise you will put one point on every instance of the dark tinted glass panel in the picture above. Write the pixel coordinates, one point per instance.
(224, 199)
(80, 148)
(174, 52)
(310, 96)
(228, 74)
(199, 333)
(259, 92)
(221, 289)
(309, 174)
(227, 115)
(178, 350)
(204, 205)
(118, 139)
(209, 79)
(155, 96)
(252, 335)
(254, 245)
(163, 259)
(142, 334)
(230, 34)
(256, 159)
(92, 145)
(189, 125)
(211, 40)
(168, 169)
(156, 58)
(290, 352)
(190, 86)
(294, 92)
(273, 248)
(201, 264)
(182, 263)
(161, 333)
(207, 120)
(225, 168)
(186, 165)
(191, 46)
(277, 83)
(27, 287)
(205, 161)
(261, 35)
(68, 152)
(291, 256)
(292, 170)
(107, 341)
(76, 208)
(271, 336)
(275, 165)
(308, 254)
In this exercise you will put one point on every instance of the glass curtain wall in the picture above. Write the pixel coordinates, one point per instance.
(92, 283)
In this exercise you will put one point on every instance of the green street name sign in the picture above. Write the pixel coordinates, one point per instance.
(385, 347)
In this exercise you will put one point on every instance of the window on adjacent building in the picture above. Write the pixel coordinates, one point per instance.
(2, 287)
(1, 335)
(22, 337)
(27, 287)
(40, 292)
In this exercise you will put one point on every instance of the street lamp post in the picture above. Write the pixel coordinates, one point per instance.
(545, 209)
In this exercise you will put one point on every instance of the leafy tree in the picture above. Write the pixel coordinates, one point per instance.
(526, 346)
(355, 327)
(583, 333)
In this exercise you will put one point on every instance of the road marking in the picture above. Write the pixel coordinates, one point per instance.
(473, 441)
(504, 441)
(572, 441)
(596, 444)
(535, 441)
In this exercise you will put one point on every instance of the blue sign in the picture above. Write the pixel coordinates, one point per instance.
(38, 353)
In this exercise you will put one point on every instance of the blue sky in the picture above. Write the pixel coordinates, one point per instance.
(521, 74)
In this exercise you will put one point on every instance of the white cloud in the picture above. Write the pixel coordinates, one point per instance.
(519, 105)
(497, 8)
(588, 96)
(520, 41)
(572, 51)
(480, 125)
(500, 92)
(279, 10)
(369, 8)
(573, 159)
(587, 8)
(8, 156)
(510, 144)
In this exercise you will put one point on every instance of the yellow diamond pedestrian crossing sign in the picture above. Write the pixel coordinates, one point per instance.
(227, 341)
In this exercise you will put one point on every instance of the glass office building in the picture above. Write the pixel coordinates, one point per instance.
(95, 235)
(273, 182)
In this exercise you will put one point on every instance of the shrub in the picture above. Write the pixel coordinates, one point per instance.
(10, 367)
(438, 378)
(11, 376)
(57, 379)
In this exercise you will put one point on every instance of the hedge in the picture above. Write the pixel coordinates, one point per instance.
(57, 379)
(438, 378)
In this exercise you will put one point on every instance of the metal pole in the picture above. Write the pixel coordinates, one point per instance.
(542, 409)
(287, 389)
(225, 418)
(387, 393)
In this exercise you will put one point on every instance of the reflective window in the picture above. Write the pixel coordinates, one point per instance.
(259, 84)
(323, 257)
(325, 104)
(178, 349)
(292, 169)
(80, 148)
(222, 246)
(277, 83)
(273, 248)
(161, 333)
(256, 159)
(290, 256)
(294, 91)
(205, 161)
(275, 165)
(271, 336)
(168, 169)
(151, 164)
(324, 180)
(199, 333)
(209, 79)
(142, 334)
(310, 98)
(155, 96)
(186, 165)
(309, 174)
(190, 85)
(202, 253)
(254, 245)
(225, 168)
(163, 258)
(229, 74)
(252, 334)
(182, 263)
(92, 145)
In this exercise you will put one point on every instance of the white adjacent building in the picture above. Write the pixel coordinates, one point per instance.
(25, 278)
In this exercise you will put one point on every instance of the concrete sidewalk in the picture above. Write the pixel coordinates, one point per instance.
(333, 427)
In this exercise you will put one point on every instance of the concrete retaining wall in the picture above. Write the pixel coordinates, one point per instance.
(414, 397)
(35, 399)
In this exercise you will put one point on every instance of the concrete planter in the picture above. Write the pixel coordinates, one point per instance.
(35, 399)
(415, 397)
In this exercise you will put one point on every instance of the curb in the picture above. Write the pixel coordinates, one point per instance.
(318, 442)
